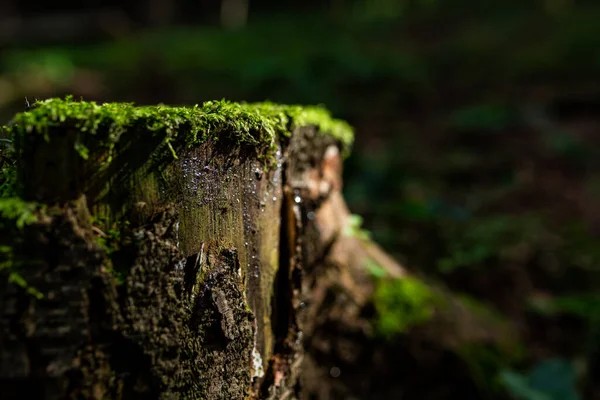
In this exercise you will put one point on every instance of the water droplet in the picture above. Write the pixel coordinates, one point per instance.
(298, 199)
(274, 198)
(299, 337)
(335, 372)
(310, 215)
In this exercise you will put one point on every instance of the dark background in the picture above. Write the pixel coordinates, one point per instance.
(477, 129)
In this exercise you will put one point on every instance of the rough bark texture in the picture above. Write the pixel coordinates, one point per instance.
(206, 276)
(344, 357)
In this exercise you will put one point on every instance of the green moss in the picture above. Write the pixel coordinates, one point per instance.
(8, 180)
(402, 304)
(16, 213)
(257, 125)
(8, 173)
(354, 228)
(109, 241)
(374, 268)
(115, 239)
(583, 305)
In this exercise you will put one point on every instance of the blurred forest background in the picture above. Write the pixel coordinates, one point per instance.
(477, 154)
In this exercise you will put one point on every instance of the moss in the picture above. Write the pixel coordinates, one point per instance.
(402, 304)
(374, 268)
(110, 242)
(354, 228)
(257, 125)
(10, 264)
(8, 173)
(16, 213)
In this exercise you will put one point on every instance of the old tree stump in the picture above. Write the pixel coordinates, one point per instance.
(207, 253)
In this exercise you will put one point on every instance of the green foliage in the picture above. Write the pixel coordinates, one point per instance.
(519, 387)
(256, 125)
(54, 66)
(478, 240)
(553, 379)
(279, 59)
(583, 305)
(402, 304)
(489, 117)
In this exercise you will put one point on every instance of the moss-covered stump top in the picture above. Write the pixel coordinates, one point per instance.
(77, 141)
(257, 124)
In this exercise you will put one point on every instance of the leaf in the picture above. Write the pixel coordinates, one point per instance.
(518, 386)
(556, 378)
(552, 379)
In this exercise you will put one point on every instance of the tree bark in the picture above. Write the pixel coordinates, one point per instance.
(214, 270)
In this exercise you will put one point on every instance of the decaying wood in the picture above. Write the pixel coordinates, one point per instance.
(229, 281)
(343, 359)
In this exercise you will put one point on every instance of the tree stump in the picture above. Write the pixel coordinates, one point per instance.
(204, 253)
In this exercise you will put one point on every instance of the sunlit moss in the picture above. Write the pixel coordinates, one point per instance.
(258, 125)
(401, 304)
(354, 228)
